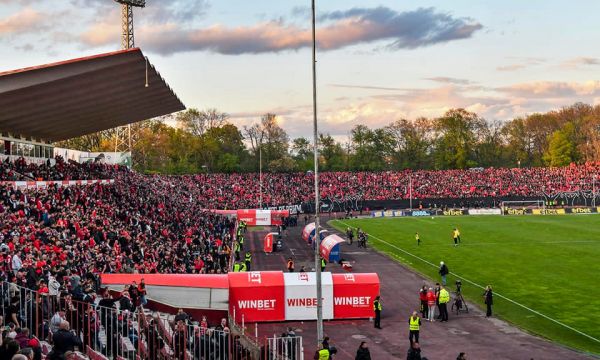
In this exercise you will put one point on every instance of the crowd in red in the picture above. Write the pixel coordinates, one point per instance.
(53, 236)
(243, 190)
(55, 169)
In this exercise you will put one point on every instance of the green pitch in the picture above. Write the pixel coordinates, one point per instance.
(550, 264)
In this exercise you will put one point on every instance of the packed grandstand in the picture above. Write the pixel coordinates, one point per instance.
(56, 239)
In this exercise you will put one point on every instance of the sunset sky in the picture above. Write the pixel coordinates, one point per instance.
(377, 60)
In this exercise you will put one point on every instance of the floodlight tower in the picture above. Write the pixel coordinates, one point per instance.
(123, 140)
(127, 39)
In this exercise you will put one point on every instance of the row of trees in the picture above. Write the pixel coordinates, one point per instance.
(206, 141)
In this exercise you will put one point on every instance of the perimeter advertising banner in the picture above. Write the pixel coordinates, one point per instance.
(257, 295)
(253, 217)
(353, 295)
(301, 295)
(548, 211)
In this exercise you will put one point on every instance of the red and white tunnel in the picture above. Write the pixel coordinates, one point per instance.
(261, 296)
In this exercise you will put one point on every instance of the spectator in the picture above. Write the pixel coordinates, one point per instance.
(363, 352)
(63, 341)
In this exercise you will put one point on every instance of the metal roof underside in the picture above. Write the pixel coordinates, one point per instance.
(77, 97)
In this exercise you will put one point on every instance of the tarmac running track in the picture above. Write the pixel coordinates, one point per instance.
(479, 337)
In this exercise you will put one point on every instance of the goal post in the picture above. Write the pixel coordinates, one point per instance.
(523, 204)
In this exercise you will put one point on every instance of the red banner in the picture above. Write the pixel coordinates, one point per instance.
(268, 242)
(253, 217)
(278, 215)
(258, 296)
(353, 295)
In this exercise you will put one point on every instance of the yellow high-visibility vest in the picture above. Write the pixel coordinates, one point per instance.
(323, 354)
(376, 305)
(414, 324)
(444, 296)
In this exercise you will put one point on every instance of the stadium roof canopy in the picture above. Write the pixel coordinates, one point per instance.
(67, 99)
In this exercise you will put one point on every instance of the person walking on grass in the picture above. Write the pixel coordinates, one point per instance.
(418, 238)
(488, 296)
(456, 236)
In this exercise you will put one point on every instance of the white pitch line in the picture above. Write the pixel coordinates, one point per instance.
(525, 243)
(479, 286)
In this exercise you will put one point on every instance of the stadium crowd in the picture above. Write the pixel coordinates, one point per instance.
(59, 169)
(235, 191)
(242, 190)
(55, 240)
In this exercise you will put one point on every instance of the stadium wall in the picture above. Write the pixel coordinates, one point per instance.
(571, 198)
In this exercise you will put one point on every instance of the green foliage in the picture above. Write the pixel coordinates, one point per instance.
(561, 149)
(205, 141)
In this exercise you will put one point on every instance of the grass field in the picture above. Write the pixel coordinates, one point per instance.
(547, 263)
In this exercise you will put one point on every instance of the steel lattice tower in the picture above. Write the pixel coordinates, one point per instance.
(123, 136)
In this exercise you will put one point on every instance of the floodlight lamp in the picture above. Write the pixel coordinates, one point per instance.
(137, 3)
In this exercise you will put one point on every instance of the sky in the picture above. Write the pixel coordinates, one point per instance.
(377, 61)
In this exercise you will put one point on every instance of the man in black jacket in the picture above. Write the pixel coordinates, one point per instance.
(64, 341)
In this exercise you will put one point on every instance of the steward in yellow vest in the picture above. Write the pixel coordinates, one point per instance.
(414, 324)
(443, 300)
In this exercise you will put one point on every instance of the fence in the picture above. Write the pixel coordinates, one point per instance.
(125, 332)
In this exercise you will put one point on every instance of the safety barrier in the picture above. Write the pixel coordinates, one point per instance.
(129, 333)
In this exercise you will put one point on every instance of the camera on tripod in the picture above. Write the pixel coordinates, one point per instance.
(459, 305)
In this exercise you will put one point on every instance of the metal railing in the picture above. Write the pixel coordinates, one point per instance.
(115, 333)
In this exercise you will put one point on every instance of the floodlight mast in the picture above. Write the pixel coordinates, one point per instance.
(123, 135)
(127, 38)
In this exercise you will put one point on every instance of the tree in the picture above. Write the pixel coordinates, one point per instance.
(458, 133)
(269, 137)
(301, 152)
(411, 143)
(198, 122)
(372, 148)
(222, 148)
(518, 143)
(331, 153)
(561, 151)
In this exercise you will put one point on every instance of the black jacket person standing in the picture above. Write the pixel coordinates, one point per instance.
(377, 309)
(489, 300)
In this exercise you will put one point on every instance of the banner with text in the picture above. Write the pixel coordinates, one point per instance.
(353, 295)
(257, 295)
(301, 295)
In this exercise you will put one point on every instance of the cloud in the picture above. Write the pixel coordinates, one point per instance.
(365, 87)
(449, 80)
(26, 19)
(402, 30)
(578, 62)
(553, 89)
(524, 62)
(512, 67)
